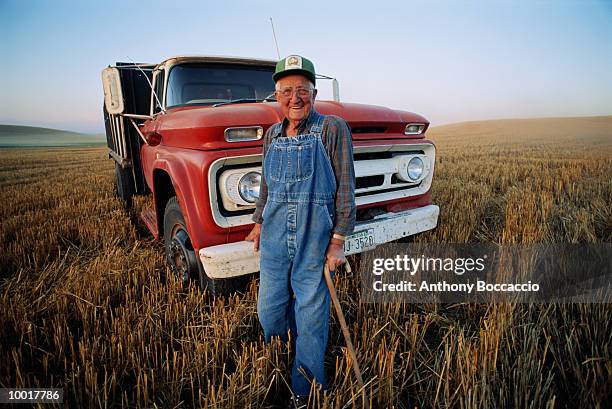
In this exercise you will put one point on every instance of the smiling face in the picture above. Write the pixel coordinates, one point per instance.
(298, 105)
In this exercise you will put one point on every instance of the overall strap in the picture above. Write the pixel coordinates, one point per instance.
(276, 129)
(317, 128)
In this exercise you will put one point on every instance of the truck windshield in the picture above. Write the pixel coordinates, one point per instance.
(207, 84)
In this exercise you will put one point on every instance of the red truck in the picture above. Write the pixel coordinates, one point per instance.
(189, 132)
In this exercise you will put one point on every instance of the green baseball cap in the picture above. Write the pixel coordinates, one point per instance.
(294, 64)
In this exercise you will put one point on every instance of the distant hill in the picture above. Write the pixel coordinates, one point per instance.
(592, 130)
(14, 136)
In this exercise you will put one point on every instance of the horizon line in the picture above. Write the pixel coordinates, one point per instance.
(431, 124)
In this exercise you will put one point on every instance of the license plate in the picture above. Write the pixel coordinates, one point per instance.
(359, 241)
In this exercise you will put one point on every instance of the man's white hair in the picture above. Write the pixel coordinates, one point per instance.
(277, 86)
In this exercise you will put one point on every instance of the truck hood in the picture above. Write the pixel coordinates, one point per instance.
(203, 127)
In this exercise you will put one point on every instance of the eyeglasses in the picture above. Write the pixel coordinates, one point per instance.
(300, 92)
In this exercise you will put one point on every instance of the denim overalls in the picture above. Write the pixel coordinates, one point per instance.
(297, 225)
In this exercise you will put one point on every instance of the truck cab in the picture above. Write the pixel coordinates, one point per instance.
(189, 132)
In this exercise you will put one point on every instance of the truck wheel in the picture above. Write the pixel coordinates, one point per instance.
(179, 251)
(123, 179)
(182, 257)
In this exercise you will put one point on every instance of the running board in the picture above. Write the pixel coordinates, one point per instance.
(149, 219)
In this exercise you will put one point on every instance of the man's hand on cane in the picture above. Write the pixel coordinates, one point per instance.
(334, 256)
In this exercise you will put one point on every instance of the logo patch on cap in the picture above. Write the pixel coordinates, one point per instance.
(293, 62)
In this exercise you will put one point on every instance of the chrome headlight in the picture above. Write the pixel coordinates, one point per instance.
(414, 129)
(239, 187)
(248, 187)
(415, 168)
(412, 168)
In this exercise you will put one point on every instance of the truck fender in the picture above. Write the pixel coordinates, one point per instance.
(166, 172)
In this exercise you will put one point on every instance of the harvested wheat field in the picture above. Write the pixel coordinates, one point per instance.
(87, 303)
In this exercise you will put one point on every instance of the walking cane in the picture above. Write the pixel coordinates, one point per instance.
(345, 331)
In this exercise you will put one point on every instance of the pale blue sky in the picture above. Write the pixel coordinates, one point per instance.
(447, 60)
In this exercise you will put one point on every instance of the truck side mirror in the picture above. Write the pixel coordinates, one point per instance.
(336, 89)
(113, 95)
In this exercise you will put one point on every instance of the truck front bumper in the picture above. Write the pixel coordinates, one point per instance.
(236, 259)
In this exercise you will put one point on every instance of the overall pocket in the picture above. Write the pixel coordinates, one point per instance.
(292, 163)
(305, 161)
(274, 162)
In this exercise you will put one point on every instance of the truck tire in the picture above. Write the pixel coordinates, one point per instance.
(182, 257)
(180, 254)
(124, 185)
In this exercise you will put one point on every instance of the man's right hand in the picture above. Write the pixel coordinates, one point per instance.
(254, 236)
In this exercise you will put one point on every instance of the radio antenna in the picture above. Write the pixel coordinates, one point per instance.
(274, 34)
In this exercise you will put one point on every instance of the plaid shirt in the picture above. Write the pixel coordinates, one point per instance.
(338, 141)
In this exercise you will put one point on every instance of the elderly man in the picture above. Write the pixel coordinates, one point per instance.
(306, 208)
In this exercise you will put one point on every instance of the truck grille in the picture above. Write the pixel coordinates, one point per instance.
(369, 181)
(377, 178)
